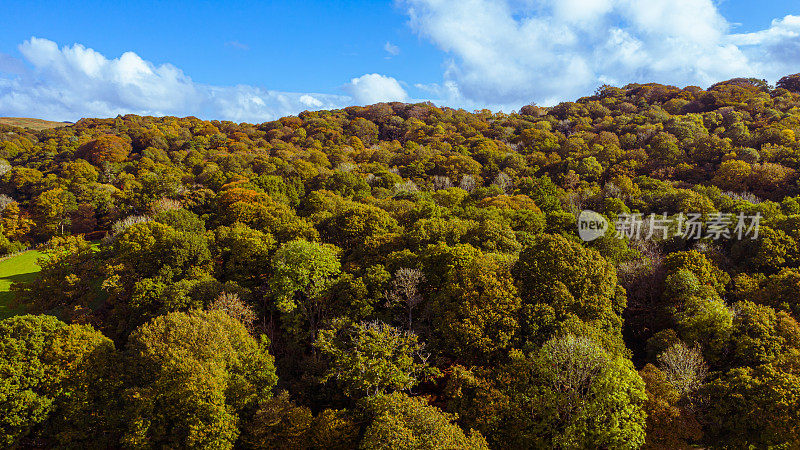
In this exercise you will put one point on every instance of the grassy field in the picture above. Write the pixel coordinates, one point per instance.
(34, 124)
(21, 267)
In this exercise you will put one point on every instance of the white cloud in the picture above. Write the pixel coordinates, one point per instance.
(391, 49)
(375, 88)
(776, 50)
(505, 53)
(74, 81)
(9, 64)
(310, 101)
(500, 54)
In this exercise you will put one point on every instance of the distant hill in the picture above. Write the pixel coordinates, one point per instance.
(34, 124)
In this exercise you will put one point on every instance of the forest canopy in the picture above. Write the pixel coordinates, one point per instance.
(409, 276)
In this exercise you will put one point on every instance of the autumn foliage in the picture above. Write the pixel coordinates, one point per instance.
(409, 276)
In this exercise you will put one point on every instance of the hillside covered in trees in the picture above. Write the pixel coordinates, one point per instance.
(408, 276)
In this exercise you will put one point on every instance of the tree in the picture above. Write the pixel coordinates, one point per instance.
(151, 269)
(760, 335)
(232, 305)
(372, 358)
(363, 129)
(261, 212)
(571, 280)
(347, 184)
(22, 182)
(671, 422)
(356, 225)
(769, 177)
(278, 424)
(790, 82)
(179, 218)
(473, 394)
(83, 219)
(55, 382)
(695, 262)
(242, 254)
(53, 209)
(7, 246)
(16, 224)
(572, 394)
(733, 175)
(399, 421)
(192, 378)
(150, 249)
(301, 272)
(589, 168)
(774, 249)
(63, 284)
(781, 291)
(335, 429)
(405, 291)
(754, 406)
(79, 172)
(107, 148)
(475, 313)
(683, 367)
(706, 320)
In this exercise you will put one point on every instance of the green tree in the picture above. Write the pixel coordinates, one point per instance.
(773, 250)
(372, 358)
(570, 280)
(707, 321)
(56, 382)
(473, 394)
(695, 262)
(399, 421)
(363, 129)
(151, 249)
(181, 220)
(192, 377)
(278, 424)
(356, 225)
(780, 291)
(242, 254)
(760, 335)
(754, 406)
(152, 268)
(475, 314)
(301, 272)
(53, 209)
(260, 212)
(573, 394)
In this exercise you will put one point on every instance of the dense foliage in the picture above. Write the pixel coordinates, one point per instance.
(407, 276)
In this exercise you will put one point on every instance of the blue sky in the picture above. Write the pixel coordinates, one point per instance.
(255, 61)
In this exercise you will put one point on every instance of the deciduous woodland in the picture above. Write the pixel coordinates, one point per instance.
(408, 276)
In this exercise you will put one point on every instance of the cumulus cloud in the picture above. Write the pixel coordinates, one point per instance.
(11, 65)
(375, 88)
(508, 53)
(74, 81)
(774, 51)
(500, 54)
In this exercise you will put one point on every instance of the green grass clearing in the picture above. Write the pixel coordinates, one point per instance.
(21, 267)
